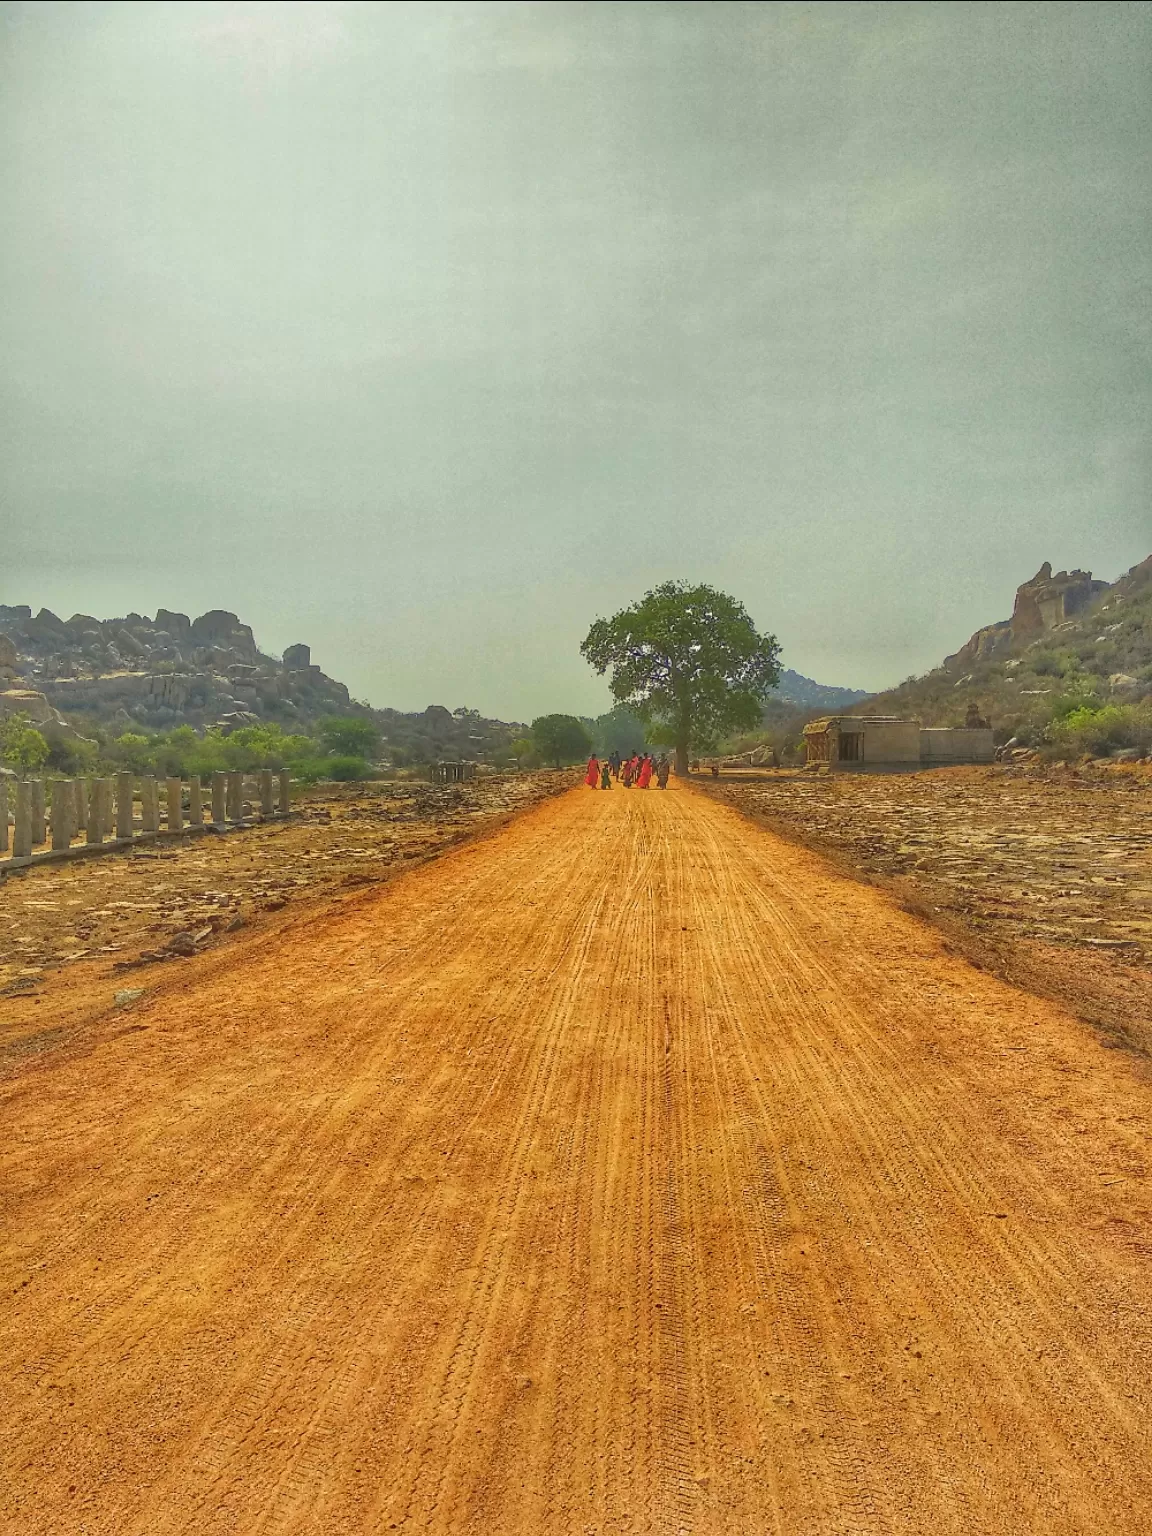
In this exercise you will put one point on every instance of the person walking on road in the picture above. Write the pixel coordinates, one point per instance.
(606, 776)
(592, 777)
(626, 774)
(662, 767)
(645, 772)
(614, 764)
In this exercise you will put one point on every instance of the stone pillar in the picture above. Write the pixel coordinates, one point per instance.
(173, 805)
(219, 799)
(125, 794)
(63, 813)
(149, 805)
(97, 810)
(80, 810)
(235, 796)
(284, 801)
(195, 801)
(3, 816)
(266, 802)
(38, 809)
(22, 832)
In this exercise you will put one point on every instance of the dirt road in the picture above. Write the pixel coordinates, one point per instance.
(627, 1171)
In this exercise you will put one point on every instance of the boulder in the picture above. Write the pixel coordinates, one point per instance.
(80, 622)
(127, 644)
(177, 624)
(1047, 601)
(297, 657)
(220, 628)
(48, 721)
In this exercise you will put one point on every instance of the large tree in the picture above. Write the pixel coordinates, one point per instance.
(560, 739)
(689, 661)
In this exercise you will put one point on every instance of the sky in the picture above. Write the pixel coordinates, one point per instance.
(428, 333)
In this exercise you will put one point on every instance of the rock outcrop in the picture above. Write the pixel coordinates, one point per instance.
(1041, 604)
(38, 712)
(161, 672)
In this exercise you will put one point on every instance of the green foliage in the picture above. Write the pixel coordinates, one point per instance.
(561, 739)
(522, 751)
(22, 745)
(687, 660)
(620, 730)
(1096, 732)
(349, 735)
(346, 768)
(73, 758)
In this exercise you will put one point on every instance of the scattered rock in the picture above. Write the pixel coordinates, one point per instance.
(127, 995)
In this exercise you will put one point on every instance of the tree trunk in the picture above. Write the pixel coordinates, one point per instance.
(682, 759)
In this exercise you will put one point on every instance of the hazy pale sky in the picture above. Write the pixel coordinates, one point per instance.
(425, 333)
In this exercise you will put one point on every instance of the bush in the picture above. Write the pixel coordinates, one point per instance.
(1094, 732)
(22, 745)
(346, 769)
(348, 735)
(73, 758)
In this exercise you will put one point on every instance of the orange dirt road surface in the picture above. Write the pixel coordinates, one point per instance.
(626, 1171)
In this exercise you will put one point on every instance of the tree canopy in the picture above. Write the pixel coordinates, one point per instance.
(349, 735)
(22, 744)
(688, 660)
(561, 739)
(620, 730)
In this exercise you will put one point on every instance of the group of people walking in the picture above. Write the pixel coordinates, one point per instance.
(639, 770)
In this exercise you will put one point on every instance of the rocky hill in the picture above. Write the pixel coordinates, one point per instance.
(93, 676)
(1071, 638)
(795, 688)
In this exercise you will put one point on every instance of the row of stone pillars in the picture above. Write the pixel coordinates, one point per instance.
(97, 809)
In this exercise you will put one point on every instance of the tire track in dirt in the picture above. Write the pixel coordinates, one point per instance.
(627, 1171)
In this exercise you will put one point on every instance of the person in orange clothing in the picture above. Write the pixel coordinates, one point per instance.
(592, 777)
(645, 772)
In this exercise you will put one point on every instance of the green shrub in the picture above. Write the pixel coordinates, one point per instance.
(1095, 732)
(22, 745)
(348, 735)
(346, 769)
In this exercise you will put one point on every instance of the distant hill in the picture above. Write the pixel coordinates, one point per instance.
(114, 675)
(795, 688)
(1070, 638)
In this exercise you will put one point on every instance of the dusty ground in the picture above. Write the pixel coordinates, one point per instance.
(627, 1170)
(118, 907)
(1045, 875)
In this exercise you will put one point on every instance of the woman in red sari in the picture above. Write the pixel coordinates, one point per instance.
(592, 777)
(645, 772)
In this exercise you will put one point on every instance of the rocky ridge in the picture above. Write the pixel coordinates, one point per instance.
(72, 676)
(165, 671)
(1070, 635)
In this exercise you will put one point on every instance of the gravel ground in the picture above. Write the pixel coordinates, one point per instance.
(1046, 870)
(171, 898)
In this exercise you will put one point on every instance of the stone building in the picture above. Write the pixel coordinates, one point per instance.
(885, 744)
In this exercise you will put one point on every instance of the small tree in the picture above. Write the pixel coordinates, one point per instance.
(522, 751)
(689, 660)
(561, 739)
(22, 745)
(349, 736)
